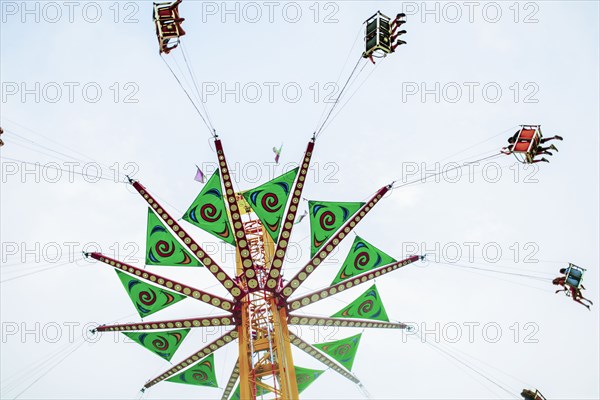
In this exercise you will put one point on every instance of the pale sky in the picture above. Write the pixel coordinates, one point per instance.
(86, 80)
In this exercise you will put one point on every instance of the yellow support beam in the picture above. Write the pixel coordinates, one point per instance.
(287, 372)
(272, 348)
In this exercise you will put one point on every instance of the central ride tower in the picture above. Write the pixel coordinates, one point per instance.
(265, 356)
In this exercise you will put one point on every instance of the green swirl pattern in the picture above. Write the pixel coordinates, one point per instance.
(162, 248)
(268, 201)
(208, 211)
(201, 374)
(164, 344)
(147, 298)
(362, 257)
(326, 217)
(343, 350)
(305, 377)
(367, 306)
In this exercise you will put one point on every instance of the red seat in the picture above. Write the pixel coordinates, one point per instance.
(521, 147)
(527, 141)
(168, 25)
(165, 13)
(527, 133)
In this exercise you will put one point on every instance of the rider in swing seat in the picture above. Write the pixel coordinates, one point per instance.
(571, 283)
(528, 141)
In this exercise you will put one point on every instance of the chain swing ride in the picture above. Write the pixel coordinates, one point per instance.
(258, 222)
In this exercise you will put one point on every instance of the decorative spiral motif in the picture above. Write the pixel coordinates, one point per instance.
(199, 376)
(164, 248)
(269, 199)
(327, 221)
(270, 202)
(202, 374)
(209, 213)
(148, 297)
(362, 259)
(160, 343)
(342, 350)
(163, 344)
(365, 307)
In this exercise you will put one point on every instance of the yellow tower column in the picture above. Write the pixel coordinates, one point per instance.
(279, 347)
(287, 372)
(246, 390)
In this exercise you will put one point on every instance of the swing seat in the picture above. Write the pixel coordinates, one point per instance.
(528, 141)
(574, 276)
(167, 11)
(168, 25)
(377, 35)
(170, 30)
(167, 45)
(531, 395)
(168, 36)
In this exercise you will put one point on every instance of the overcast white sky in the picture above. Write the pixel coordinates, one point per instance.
(471, 71)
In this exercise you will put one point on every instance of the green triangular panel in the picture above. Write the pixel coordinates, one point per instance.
(343, 350)
(162, 248)
(147, 298)
(326, 217)
(268, 201)
(367, 306)
(362, 257)
(201, 374)
(165, 344)
(208, 211)
(305, 376)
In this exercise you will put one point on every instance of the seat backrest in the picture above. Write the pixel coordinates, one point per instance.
(527, 134)
(166, 11)
(575, 273)
(521, 147)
